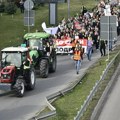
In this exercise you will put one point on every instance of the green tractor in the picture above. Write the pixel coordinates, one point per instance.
(42, 52)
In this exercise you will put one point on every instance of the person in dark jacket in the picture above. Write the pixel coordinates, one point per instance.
(102, 47)
(118, 28)
(22, 6)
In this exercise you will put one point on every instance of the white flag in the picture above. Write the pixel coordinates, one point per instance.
(43, 25)
(107, 10)
(52, 30)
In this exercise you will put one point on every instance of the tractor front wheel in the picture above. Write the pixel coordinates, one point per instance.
(19, 87)
(53, 65)
(32, 80)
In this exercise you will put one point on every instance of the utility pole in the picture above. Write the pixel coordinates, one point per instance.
(68, 8)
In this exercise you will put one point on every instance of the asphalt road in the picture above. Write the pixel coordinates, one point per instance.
(14, 108)
(111, 110)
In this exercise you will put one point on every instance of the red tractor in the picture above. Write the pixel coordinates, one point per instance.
(16, 70)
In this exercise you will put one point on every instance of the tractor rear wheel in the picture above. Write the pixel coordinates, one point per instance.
(44, 68)
(31, 80)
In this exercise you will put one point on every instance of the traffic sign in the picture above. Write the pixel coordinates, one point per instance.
(108, 27)
(28, 4)
(53, 13)
(29, 17)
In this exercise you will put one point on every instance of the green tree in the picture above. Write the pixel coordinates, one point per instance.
(10, 8)
(2, 7)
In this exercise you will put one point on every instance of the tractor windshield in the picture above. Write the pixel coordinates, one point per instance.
(35, 43)
(11, 59)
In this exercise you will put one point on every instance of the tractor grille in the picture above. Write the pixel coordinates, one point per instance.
(5, 76)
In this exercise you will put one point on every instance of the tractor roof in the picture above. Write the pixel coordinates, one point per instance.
(14, 49)
(36, 35)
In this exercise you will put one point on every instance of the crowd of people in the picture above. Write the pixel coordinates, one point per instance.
(85, 25)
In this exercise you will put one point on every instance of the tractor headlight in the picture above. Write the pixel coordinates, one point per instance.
(2, 76)
(8, 76)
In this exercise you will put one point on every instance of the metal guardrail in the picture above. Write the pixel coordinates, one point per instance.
(94, 90)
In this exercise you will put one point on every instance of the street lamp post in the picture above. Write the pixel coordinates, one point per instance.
(108, 36)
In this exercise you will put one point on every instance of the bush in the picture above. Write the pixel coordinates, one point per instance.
(10, 8)
(2, 7)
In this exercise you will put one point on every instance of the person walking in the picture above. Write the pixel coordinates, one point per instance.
(102, 47)
(89, 48)
(22, 6)
(77, 58)
(73, 43)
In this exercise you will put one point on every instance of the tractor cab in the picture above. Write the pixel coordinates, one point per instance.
(37, 40)
(13, 56)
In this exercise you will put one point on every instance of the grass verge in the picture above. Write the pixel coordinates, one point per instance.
(68, 105)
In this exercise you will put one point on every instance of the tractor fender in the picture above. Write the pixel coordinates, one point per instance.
(34, 53)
